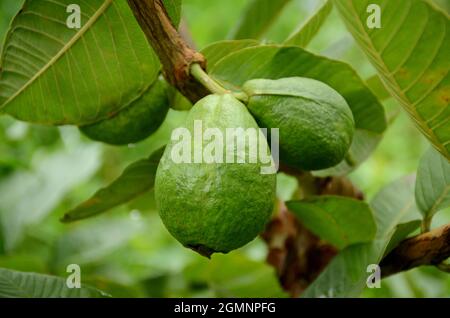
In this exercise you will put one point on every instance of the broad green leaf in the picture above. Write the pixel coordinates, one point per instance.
(258, 16)
(173, 8)
(346, 275)
(376, 85)
(137, 179)
(218, 50)
(338, 220)
(273, 62)
(15, 284)
(311, 27)
(51, 74)
(410, 221)
(433, 183)
(402, 231)
(27, 197)
(395, 204)
(410, 52)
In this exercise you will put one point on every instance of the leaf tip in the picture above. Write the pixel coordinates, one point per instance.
(66, 218)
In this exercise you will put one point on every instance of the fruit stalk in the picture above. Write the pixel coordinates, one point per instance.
(203, 78)
(209, 83)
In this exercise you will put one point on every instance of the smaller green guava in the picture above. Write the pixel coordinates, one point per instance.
(315, 123)
(137, 121)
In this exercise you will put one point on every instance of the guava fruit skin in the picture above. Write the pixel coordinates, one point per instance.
(136, 122)
(316, 125)
(214, 207)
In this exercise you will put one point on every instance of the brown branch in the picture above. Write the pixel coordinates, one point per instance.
(174, 53)
(430, 248)
(297, 255)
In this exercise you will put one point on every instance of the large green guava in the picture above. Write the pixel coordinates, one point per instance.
(137, 121)
(315, 123)
(214, 206)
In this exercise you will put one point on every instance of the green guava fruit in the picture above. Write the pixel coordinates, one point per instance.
(315, 123)
(208, 205)
(137, 121)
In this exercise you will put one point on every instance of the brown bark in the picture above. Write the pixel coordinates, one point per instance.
(174, 53)
(430, 248)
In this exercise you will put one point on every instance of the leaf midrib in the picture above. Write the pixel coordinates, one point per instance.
(63, 50)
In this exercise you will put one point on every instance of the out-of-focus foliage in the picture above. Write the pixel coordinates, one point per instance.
(128, 252)
(433, 184)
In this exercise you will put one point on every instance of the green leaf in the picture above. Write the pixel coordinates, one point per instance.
(433, 183)
(311, 27)
(15, 284)
(346, 275)
(27, 197)
(410, 221)
(338, 220)
(218, 50)
(51, 74)
(393, 205)
(377, 87)
(173, 8)
(258, 16)
(274, 62)
(410, 52)
(137, 179)
(402, 231)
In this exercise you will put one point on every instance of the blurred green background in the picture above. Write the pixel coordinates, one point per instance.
(45, 171)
